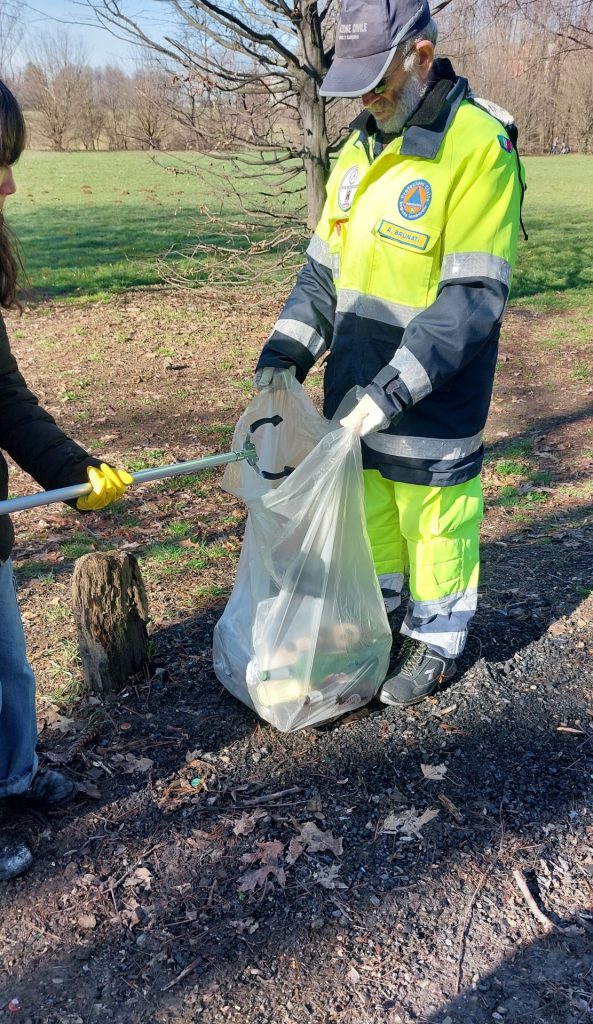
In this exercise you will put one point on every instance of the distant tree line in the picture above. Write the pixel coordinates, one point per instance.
(535, 58)
(245, 78)
(70, 104)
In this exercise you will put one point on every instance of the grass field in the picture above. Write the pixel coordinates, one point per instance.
(92, 223)
(555, 267)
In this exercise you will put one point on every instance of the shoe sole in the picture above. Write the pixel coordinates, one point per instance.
(386, 697)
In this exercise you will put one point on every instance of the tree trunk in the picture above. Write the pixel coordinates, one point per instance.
(111, 612)
(315, 146)
(312, 112)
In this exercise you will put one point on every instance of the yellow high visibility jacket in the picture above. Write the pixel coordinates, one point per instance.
(406, 282)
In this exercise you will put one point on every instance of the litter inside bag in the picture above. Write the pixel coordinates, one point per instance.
(304, 636)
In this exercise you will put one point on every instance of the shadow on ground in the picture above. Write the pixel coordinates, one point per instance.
(139, 908)
(385, 927)
(386, 930)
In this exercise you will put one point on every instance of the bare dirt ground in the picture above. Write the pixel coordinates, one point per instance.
(214, 870)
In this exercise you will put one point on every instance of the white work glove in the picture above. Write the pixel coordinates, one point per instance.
(366, 417)
(274, 378)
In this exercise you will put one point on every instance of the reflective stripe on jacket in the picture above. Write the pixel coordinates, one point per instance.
(406, 281)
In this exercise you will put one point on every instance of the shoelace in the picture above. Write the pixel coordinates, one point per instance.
(412, 654)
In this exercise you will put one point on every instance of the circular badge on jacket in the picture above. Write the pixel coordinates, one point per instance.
(348, 186)
(415, 199)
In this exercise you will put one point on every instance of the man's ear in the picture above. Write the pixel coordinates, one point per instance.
(424, 57)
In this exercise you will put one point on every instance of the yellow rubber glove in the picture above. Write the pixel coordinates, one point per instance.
(108, 485)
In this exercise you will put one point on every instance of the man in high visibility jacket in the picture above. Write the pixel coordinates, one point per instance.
(405, 286)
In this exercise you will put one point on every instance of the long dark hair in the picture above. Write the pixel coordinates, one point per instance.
(13, 135)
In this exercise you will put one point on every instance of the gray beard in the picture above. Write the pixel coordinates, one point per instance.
(410, 97)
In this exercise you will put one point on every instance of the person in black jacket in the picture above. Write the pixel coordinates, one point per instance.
(31, 437)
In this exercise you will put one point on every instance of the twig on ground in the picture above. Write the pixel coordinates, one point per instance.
(183, 974)
(533, 907)
(143, 744)
(248, 805)
(266, 798)
(465, 926)
(544, 920)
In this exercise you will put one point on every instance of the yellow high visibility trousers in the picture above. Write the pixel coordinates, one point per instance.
(431, 534)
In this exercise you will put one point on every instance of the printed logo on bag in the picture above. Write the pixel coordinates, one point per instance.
(415, 199)
(505, 143)
(347, 189)
(403, 236)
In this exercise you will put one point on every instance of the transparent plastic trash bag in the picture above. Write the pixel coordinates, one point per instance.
(304, 637)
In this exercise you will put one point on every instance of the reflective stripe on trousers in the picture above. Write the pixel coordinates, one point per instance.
(432, 533)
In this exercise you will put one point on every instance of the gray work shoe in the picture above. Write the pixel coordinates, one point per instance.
(48, 791)
(418, 673)
(15, 858)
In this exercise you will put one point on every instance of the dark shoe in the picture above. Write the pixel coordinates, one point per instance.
(15, 858)
(418, 673)
(48, 791)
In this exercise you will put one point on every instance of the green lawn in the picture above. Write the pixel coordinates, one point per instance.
(92, 223)
(555, 267)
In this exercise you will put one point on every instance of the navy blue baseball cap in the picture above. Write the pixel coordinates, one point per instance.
(367, 36)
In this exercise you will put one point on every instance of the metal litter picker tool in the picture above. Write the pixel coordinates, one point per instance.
(247, 453)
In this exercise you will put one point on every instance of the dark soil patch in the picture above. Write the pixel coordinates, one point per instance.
(180, 891)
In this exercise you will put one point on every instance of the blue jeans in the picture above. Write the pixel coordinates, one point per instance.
(18, 725)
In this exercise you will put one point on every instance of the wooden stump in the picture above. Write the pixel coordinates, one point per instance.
(111, 613)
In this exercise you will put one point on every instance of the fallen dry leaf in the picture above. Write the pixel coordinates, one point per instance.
(50, 719)
(434, 771)
(268, 855)
(247, 822)
(259, 876)
(408, 823)
(441, 712)
(137, 764)
(141, 876)
(266, 851)
(327, 878)
(87, 921)
(313, 840)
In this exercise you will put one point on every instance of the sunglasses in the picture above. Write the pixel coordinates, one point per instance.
(381, 86)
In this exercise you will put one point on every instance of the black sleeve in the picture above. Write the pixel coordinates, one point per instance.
(440, 341)
(305, 327)
(30, 435)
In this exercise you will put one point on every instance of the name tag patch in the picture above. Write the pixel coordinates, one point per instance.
(403, 236)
